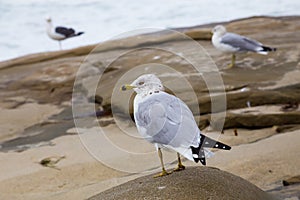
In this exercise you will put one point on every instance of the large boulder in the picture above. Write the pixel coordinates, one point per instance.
(192, 183)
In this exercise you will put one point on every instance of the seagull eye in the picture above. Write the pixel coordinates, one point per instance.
(141, 83)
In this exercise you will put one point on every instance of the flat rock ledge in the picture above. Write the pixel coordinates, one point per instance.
(193, 183)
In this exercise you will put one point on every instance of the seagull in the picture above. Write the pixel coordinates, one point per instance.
(167, 122)
(60, 33)
(234, 43)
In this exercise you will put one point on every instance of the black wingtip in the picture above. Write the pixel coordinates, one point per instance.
(268, 48)
(79, 33)
(211, 143)
(203, 161)
(206, 142)
(198, 154)
(220, 145)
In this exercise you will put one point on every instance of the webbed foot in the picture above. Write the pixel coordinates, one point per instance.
(161, 174)
(229, 66)
(180, 167)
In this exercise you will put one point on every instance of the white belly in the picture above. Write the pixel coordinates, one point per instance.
(55, 36)
(221, 46)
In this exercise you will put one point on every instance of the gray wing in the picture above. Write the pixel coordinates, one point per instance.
(240, 42)
(167, 120)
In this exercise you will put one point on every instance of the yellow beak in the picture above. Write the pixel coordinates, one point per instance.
(127, 87)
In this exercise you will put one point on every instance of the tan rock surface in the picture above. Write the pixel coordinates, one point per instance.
(37, 121)
(192, 183)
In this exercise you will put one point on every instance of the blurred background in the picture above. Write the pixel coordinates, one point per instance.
(23, 22)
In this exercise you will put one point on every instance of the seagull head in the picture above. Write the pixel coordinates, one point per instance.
(219, 30)
(144, 84)
(48, 19)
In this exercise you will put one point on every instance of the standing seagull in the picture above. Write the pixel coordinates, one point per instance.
(234, 43)
(166, 121)
(60, 33)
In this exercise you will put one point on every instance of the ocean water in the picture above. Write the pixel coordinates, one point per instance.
(23, 23)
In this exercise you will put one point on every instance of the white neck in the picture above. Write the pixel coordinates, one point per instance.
(49, 26)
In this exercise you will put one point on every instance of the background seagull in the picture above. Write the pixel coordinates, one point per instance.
(60, 33)
(166, 121)
(234, 43)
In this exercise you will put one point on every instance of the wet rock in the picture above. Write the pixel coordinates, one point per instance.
(49, 77)
(291, 181)
(96, 99)
(290, 106)
(286, 128)
(290, 189)
(254, 121)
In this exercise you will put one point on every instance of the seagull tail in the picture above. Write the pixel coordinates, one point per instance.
(268, 48)
(264, 50)
(199, 153)
(79, 33)
(208, 153)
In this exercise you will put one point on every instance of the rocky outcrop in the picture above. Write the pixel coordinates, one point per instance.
(262, 91)
(48, 78)
(192, 183)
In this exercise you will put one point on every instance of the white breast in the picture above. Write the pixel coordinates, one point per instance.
(52, 34)
(216, 40)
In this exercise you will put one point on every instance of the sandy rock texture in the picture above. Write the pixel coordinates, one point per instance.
(257, 103)
(192, 183)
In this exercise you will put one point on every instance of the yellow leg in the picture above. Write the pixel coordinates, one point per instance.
(232, 62)
(59, 45)
(180, 165)
(164, 172)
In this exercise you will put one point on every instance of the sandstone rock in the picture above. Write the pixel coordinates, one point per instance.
(199, 34)
(252, 121)
(49, 77)
(291, 181)
(286, 128)
(192, 183)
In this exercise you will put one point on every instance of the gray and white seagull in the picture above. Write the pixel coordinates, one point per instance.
(166, 121)
(234, 43)
(60, 33)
